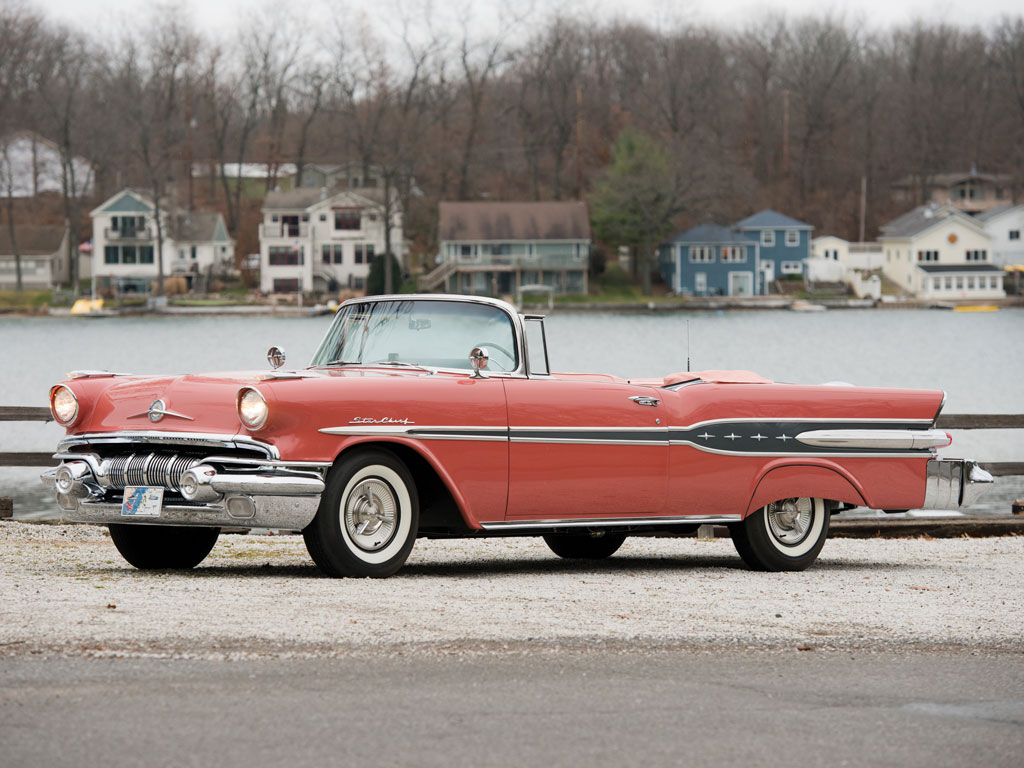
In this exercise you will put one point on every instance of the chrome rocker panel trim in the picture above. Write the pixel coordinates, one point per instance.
(602, 522)
(954, 483)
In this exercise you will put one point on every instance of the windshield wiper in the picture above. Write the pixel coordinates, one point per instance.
(403, 364)
(340, 362)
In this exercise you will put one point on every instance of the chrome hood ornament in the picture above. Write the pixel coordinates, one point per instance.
(157, 410)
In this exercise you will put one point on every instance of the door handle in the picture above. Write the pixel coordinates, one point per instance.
(645, 400)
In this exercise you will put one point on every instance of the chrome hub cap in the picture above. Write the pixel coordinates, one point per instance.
(790, 520)
(371, 514)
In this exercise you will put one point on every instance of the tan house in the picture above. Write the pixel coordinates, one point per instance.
(44, 258)
(940, 252)
(968, 191)
(497, 248)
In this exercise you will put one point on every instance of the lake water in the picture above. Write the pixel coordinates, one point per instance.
(976, 357)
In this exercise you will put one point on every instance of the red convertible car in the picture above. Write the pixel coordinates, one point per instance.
(439, 416)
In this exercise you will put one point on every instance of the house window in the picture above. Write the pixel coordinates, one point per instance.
(110, 255)
(467, 253)
(700, 282)
(274, 218)
(977, 255)
(193, 252)
(767, 238)
(959, 283)
(338, 253)
(305, 217)
(927, 255)
(970, 282)
(357, 283)
(284, 256)
(145, 254)
(936, 283)
(347, 219)
(325, 254)
(792, 267)
(949, 283)
(702, 254)
(733, 254)
(323, 217)
(792, 238)
(286, 285)
(1014, 234)
(364, 253)
(128, 254)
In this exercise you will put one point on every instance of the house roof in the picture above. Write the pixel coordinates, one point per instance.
(925, 217)
(32, 241)
(710, 233)
(769, 219)
(514, 221)
(933, 269)
(302, 198)
(197, 226)
(949, 179)
(992, 213)
(126, 201)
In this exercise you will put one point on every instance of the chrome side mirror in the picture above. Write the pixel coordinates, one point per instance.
(478, 359)
(275, 356)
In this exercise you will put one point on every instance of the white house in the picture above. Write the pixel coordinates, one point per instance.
(1004, 226)
(124, 242)
(828, 261)
(43, 252)
(30, 165)
(940, 252)
(315, 240)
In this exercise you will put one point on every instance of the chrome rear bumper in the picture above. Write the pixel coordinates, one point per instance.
(954, 483)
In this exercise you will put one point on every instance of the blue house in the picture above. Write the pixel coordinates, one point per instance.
(783, 245)
(743, 260)
(710, 260)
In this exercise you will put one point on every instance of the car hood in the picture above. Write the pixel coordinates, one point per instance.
(191, 403)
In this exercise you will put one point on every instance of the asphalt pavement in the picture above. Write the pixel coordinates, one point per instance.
(527, 707)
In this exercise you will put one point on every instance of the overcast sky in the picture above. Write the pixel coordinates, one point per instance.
(218, 16)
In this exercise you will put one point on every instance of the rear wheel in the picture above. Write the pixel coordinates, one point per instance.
(785, 535)
(163, 547)
(586, 546)
(368, 517)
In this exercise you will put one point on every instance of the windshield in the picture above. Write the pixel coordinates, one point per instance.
(437, 334)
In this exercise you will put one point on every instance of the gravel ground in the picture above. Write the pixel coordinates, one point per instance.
(66, 591)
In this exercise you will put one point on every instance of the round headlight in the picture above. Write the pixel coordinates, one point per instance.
(252, 408)
(64, 405)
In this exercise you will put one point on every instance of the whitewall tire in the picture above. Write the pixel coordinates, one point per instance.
(786, 535)
(368, 517)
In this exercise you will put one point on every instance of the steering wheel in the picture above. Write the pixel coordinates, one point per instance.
(489, 345)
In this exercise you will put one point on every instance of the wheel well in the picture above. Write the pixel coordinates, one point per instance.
(439, 514)
(783, 482)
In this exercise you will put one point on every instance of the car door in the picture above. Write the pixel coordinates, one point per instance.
(582, 448)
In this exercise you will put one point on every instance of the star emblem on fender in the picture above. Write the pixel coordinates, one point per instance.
(705, 436)
(731, 436)
(759, 437)
(784, 437)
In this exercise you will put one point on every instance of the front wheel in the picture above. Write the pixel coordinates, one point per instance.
(585, 546)
(785, 535)
(162, 547)
(368, 517)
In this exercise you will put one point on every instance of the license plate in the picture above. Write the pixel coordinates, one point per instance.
(142, 501)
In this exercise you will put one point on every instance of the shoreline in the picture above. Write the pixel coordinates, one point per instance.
(693, 304)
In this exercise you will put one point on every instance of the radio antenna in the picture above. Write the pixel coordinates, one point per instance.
(687, 346)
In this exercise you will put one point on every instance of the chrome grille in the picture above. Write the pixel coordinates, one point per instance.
(164, 469)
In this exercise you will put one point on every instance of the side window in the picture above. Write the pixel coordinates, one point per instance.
(536, 346)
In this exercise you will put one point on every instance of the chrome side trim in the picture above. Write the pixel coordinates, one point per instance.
(598, 522)
(852, 454)
(94, 374)
(875, 438)
(476, 433)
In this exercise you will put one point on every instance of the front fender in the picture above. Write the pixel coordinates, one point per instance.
(806, 479)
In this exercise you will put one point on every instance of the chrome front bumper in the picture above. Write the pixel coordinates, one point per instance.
(262, 499)
(954, 483)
